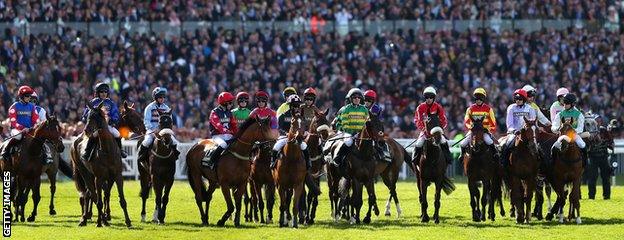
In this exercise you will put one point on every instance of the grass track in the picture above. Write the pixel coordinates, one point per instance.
(601, 220)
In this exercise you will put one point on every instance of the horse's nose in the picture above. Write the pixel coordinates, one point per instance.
(380, 133)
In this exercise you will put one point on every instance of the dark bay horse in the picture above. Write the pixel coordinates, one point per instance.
(314, 140)
(27, 165)
(389, 172)
(232, 171)
(431, 168)
(289, 174)
(567, 169)
(480, 165)
(523, 169)
(261, 176)
(159, 171)
(99, 172)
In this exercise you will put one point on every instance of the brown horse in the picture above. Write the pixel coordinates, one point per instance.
(130, 119)
(567, 169)
(481, 165)
(101, 171)
(232, 171)
(289, 173)
(159, 170)
(314, 141)
(523, 169)
(389, 172)
(431, 168)
(27, 165)
(261, 175)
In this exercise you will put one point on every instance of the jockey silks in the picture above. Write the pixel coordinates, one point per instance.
(23, 115)
(516, 115)
(108, 105)
(151, 115)
(484, 111)
(241, 115)
(352, 118)
(222, 121)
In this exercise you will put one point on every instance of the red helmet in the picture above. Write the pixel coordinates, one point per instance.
(242, 95)
(225, 97)
(521, 93)
(371, 94)
(262, 94)
(23, 90)
(309, 91)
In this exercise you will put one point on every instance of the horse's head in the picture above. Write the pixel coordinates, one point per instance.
(96, 119)
(435, 136)
(477, 132)
(131, 119)
(165, 120)
(528, 134)
(296, 131)
(373, 128)
(256, 129)
(50, 130)
(321, 125)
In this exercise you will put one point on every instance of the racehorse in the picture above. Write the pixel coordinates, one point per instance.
(289, 173)
(52, 169)
(232, 170)
(523, 169)
(101, 171)
(159, 170)
(431, 168)
(567, 169)
(27, 165)
(314, 141)
(261, 175)
(481, 165)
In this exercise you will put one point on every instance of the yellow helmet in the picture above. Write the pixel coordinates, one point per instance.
(479, 91)
(290, 90)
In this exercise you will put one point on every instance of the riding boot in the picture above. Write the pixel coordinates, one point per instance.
(380, 153)
(306, 158)
(274, 157)
(494, 151)
(88, 153)
(143, 153)
(447, 153)
(461, 155)
(416, 154)
(123, 153)
(8, 149)
(213, 158)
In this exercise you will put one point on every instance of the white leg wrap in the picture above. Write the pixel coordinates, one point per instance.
(17, 134)
(304, 146)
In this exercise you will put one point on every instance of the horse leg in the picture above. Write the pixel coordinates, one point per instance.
(516, 198)
(313, 209)
(165, 201)
(107, 193)
(357, 201)
(269, 192)
(247, 202)
(436, 203)
(197, 185)
(52, 178)
(539, 200)
(227, 195)
(302, 207)
(158, 192)
(574, 200)
(23, 204)
(208, 198)
(283, 206)
(298, 196)
(530, 189)
(555, 208)
(423, 202)
(474, 191)
(122, 198)
(484, 198)
(98, 200)
(492, 196)
(36, 197)
(372, 200)
(145, 190)
(255, 201)
(548, 190)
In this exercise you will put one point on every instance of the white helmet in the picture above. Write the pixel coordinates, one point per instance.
(562, 92)
(528, 88)
(354, 91)
(430, 90)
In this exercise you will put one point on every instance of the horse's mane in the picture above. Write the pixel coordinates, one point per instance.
(243, 127)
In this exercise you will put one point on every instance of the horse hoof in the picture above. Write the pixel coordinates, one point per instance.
(578, 220)
(31, 219)
(128, 224)
(366, 220)
(52, 212)
(99, 225)
(237, 224)
(107, 217)
(437, 221)
(425, 219)
(82, 224)
(539, 217)
(549, 217)
(221, 223)
(106, 223)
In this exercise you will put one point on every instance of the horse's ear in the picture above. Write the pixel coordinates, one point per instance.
(125, 105)
(48, 116)
(132, 105)
(326, 112)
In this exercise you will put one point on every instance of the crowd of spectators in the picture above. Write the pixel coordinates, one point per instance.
(289, 10)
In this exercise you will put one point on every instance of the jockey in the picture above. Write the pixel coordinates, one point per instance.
(479, 109)
(262, 109)
(531, 94)
(370, 102)
(557, 106)
(101, 96)
(151, 117)
(309, 109)
(41, 112)
(286, 93)
(23, 116)
(428, 115)
(572, 115)
(222, 126)
(241, 113)
(516, 113)
(284, 120)
(349, 121)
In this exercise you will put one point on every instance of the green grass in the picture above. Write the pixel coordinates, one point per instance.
(601, 220)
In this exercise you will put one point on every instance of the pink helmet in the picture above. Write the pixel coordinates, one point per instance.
(562, 92)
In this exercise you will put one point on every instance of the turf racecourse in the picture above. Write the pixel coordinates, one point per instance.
(601, 220)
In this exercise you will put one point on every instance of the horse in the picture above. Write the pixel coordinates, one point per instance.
(102, 170)
(261, 175)
(481, 165)
(232, 171)
(314, 141)
(567, 169)
(431, 168)
(523, 169)
(52, 169)
(130, 120)
(545, 140)
(27, 165)
(159, 171)
(389, 172)
(289, 173)
(339, 200)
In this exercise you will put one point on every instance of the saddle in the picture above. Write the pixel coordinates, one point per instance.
(207, 156)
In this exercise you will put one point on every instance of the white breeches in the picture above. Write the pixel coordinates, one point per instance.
(149, 139)
(17, 134)
(281, 142)
(421, 140)
(577, 139)
(221, 138)
(486, 137)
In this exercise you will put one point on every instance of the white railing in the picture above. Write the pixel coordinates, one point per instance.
(131, 168)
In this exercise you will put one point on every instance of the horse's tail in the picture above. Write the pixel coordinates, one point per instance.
(447, 185)
(65, 168)
(343, 187)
